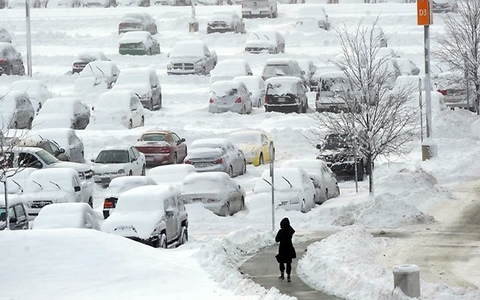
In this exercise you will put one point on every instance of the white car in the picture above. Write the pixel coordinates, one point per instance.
(126, 111)
(16, 111)
(171, 174)
(100, 75)
(55, 185)
(145, 83)
(62, 112)
(256, 86)
(67, 215)
(191, 57)
(117, 161)
(293, 189)
(229, 95)
(66, 138)
(36, 90)
(271, 42)
(119, 185)
(16, 181)
(311, 17)
(216, 190)
(323, 179)
(229, 68)
(216, 154)
(154, 215)
(138, 43)
(225, 21)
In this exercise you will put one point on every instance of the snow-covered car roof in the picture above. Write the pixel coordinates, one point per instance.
(224, 87)
(279, 61)
(211, 182)
(130, 181)
(145, 198)
(263, 35)
(51, 179)
(64, 215)
(60, 105)
(11, 96)
(305, 164)
(286, 179)
(98, 68)
(171, 173)
(134, 37)
(116, 148)
(203, 152)
(191, 48)
(211, 143)
(230, 67)
(283, 80)
(251, 79)
(246, 137)
(135, 15)
(56, 134)
(89, 56)
(121, 98)
(138, 70)
(16, 180)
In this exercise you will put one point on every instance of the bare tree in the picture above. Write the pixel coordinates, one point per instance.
(380, 119)
(459, 47)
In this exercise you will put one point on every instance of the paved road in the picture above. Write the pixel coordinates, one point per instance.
(262, 268)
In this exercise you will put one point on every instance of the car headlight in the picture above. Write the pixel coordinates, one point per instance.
(121, 171)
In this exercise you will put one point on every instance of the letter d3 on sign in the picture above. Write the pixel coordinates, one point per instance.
(424, 13)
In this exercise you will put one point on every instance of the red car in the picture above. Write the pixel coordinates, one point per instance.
(162, 147)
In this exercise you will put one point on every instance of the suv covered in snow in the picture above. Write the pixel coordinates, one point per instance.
(191, 57)
(339, 153)
(259, 8)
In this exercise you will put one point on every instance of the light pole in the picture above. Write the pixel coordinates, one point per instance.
(29, 39)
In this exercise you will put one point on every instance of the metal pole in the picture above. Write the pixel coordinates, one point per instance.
(29, 39)
(428, 88)
(7, 218)
(467, 81)
(272, 174)
(421, 107)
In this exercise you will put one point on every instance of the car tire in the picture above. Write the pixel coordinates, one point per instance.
(303, 207)
(151, 106)
(260, 159)
(175, 159)
(244, 169)
(144, 172)
(29, 125)
(326, 194)
(338, 191)
(15, 125)
(226, 211)
(90, 202)
(242, 204)
(183, 238)
(159, 102)
(130, 124)
(142, 123)
(130, 173)
(230, 172)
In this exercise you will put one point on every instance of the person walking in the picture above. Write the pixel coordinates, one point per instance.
(286, 251)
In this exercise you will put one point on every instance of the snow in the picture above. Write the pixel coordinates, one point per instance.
(410, 194)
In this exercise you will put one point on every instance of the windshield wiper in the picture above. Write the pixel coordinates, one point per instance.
(38, 184)
(291, 186)
(55, 184)
(19, 186)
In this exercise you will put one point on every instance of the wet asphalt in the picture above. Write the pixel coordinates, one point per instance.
(263, 269)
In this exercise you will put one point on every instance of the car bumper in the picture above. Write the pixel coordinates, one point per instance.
(158, 159)
(283, 108)
(132, 52)
(211, 168)
(237, 108)
(331, 107)
(219, 29)
(255, 13)
(105, 179)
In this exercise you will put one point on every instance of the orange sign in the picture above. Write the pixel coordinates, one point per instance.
(424, 14)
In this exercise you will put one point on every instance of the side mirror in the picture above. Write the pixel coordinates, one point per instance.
(93, 108)
(77, 189)
(132, 160)
(61, 150)
(92, 160)
(319, 146)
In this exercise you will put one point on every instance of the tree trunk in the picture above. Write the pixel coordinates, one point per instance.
(370, 174)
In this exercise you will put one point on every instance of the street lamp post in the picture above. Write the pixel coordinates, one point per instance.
(29, 39)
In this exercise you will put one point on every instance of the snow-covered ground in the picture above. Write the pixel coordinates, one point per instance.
(93, 265)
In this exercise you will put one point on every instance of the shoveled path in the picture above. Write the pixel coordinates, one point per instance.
(262, 268)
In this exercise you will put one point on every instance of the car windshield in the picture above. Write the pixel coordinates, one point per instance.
(204, 185)
(127, 79)
(153, 137)
(281, 88)
(332, 84)
(47, 157)
(112, 157)
(276, 70)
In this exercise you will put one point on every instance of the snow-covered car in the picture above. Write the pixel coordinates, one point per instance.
(171, 174)
(322, 177)
(55, 185)
(444, 6)
(36, 90)
(47, 145)
(259, 8)
(137, 21)
(331, 92)
(452, 85)
(216, 190)
(66, 138)
(67, 215)
(321, 69)
(293, 189)
(154, 215)
(145, 83)
(142, 3)
(85, 57)
(191, 57)
(229, 68)
(138, 43)
(256, 86)
(16, 111)
(276, 67)
(119, 185)
(11, 61)
(13, 4)
(97, 74)
(405, 66)
(286, 94)
(16, 181)
(63, 3)
(225, 21)
(255, 145)
(172, 2)
(62, 112)
(117, 161)
(312, 16)
(229, 95)
(380, 36)
(17, 212)
(162, 147)
(5, 36)
(216, 154)
(99, 3)
(271, 42)
(127, 111)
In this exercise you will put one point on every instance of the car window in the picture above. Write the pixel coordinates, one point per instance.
(11, 213)
(136, 152)
(133, 104)
(27, 160)
(175, 137)
(47, 147)
(19, 211)
(131, 155)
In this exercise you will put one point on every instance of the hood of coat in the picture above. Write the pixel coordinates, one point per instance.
(285, 225)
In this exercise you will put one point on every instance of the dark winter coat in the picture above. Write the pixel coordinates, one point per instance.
(286, 251)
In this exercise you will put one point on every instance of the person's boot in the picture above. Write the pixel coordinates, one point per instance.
(288, 278)
(281, 276)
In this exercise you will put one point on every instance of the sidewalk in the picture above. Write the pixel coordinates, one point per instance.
(262, 268)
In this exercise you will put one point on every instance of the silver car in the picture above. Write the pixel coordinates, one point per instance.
(216, 190)
(216, 154)
(16, 111)
(229, 95)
